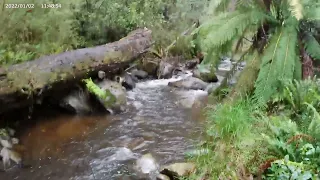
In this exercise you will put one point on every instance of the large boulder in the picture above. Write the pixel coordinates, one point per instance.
(117, 91)
(189, 83)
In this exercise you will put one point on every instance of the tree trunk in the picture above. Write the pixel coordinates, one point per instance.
(21, 83)
(307, 66)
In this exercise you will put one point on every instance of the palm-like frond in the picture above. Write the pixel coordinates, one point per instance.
(312, 12)
(234, 25)
(296, 8)
(312, 46)
(278, 62)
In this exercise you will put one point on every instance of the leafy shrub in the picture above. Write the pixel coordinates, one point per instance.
(27, 35)
(285, 169)
(300, 149)
(295, 94)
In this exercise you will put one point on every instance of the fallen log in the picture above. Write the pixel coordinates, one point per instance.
(22, 83)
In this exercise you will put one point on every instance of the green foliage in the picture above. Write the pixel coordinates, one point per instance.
(300, 149)
(276, 32)
(278, 62)
(101, 21)
(230, 122)
(285, 169)
(294, 94)
(218, 35)
(28, 35)
(312, 46)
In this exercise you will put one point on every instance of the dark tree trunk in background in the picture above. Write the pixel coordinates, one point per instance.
(307, 65)
(20, 84)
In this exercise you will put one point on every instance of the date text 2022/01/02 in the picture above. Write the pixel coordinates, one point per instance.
(31, 6)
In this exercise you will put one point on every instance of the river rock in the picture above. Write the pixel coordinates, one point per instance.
(225, 66)
(189, 83)
(205, 74)
(140, 74)
(128, 81)
(190, 64)
(162, 177)
(77, 101)
(118, 91)
(150, 66)
(165, 70)
(176, 170)
(147, 164)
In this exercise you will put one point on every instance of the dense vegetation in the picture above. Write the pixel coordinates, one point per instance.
(268, 125)
(27, 34)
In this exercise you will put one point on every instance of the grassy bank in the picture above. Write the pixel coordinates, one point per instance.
(279, 141)
(267, 126)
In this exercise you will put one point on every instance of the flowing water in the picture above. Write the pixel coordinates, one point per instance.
(158, 121)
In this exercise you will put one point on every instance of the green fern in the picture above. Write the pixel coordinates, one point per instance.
(314, 126)
(312, 46)
(278, 63)
(234, 25)
(313, 13)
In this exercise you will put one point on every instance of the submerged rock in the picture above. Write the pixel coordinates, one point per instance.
(147, 164)
(189, 83)
(122, 154)
(176, 170)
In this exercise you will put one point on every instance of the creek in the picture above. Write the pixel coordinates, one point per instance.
(159, 120)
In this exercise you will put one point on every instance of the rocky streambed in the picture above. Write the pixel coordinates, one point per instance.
(161, 122)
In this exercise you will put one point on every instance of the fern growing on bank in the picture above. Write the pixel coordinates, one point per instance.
(281, 31)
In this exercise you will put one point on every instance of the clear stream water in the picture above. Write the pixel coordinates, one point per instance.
(158, 121)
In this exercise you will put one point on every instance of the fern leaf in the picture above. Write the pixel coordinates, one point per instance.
(296, 9)
(278, 62)
(314, 126)
(313, 11)
(312, 46)
(225, 27)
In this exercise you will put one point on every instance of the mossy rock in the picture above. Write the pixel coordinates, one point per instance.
(206, 74)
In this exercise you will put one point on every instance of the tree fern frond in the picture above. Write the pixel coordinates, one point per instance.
(312, 46)
(278, 62)
(296, 8)
(312, 11)
(234, 25)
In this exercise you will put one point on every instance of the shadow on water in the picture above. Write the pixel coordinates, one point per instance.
(106, 147)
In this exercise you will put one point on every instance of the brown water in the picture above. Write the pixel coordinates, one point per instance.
(106, 147)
